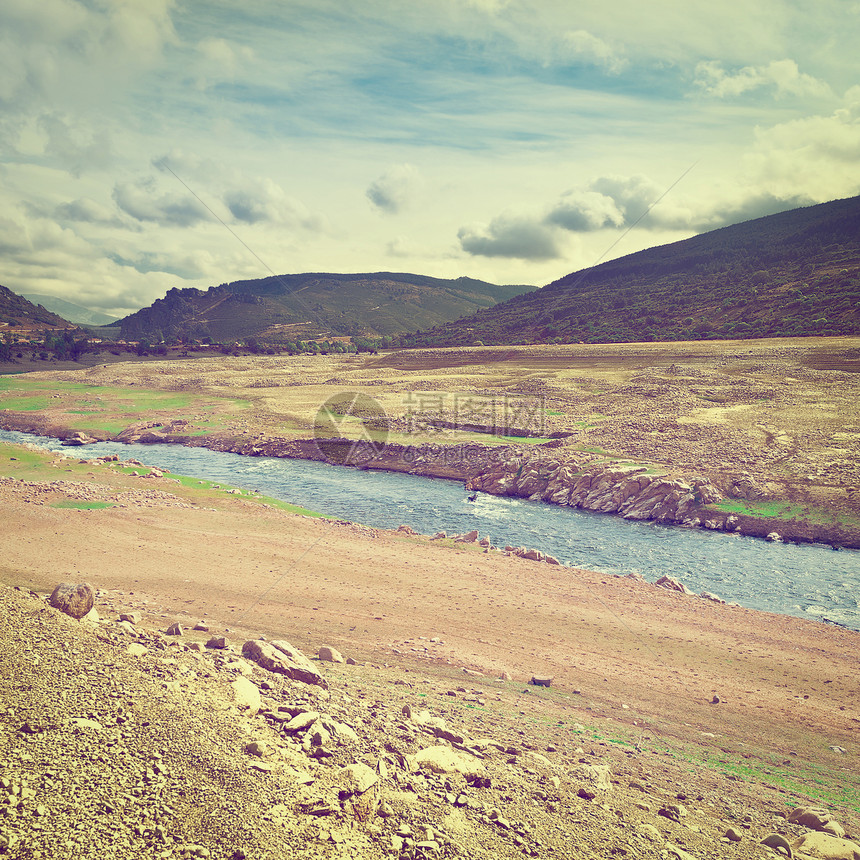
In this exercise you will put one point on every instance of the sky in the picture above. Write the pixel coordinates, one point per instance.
(152, 144)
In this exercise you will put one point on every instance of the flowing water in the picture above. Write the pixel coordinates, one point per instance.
(807, 580)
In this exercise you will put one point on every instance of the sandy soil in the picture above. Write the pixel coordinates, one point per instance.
(641, 660)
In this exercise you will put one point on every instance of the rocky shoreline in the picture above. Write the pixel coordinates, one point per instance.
(540, 473)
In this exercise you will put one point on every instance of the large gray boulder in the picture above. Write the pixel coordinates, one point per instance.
(279, 656)
(75, 599)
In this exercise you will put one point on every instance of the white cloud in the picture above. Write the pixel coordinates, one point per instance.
(813, 156)
(782, 76)
(142, 201)
(618, 201)
(510, 235)
(395, 189)
(593, 49)
(584, 210)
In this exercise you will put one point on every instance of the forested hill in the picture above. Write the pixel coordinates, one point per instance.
(792, 274)
(286, 308)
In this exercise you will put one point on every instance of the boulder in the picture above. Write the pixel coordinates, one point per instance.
(442, 759)
(826, 847)
(246, 694)
(469, 537)
(281, 657)
(73, 599)
(816, 818)
(330, 655)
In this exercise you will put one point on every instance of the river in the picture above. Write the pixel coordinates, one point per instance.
(806, 580)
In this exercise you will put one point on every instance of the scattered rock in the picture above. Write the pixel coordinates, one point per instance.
(174, 629)
(541, 680)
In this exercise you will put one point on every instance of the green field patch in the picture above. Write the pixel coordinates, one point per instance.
(82, 506)
(781, 509)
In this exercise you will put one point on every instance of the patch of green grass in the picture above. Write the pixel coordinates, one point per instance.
(82, 506)
(776, 508)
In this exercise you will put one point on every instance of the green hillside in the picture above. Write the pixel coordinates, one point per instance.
(792, 274)
(289, 307)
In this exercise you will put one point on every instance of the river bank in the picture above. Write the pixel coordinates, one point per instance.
(546, 473)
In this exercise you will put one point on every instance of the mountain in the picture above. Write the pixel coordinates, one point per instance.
(69, 310)
(796, 273)
(291, 307)
(19, 314)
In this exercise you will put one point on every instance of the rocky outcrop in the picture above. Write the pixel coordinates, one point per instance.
(627, 490)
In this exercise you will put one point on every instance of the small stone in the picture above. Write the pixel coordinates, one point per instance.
(174, 629)
(732, 835)
(541, 681)
(130, 617)
(219, 642)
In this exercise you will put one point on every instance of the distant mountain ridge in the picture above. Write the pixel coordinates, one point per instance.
(285, 308)
(791, 274)
(69, 310)
(19, 313)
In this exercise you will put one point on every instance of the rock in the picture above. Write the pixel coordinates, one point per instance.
(439, 536)
(541, 681)
(816, 818)
(73, 599)
(217, 642)
(246, 694)
(174, 629)
(673, 585)
(773, 536)
(300, 722)
(469, 537)
(594, 779)
(359, 790)
(92, 616)
(778, 842)
(732, 835)
(679, 853)
(260, 749)
(441, 759)
(827, 847)
(136, 649)
(130, 617)
(673, 811)
(551, 559)
(330, 655)
(201, 627)
(650, 832)
(357, 778)
(281, 657)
